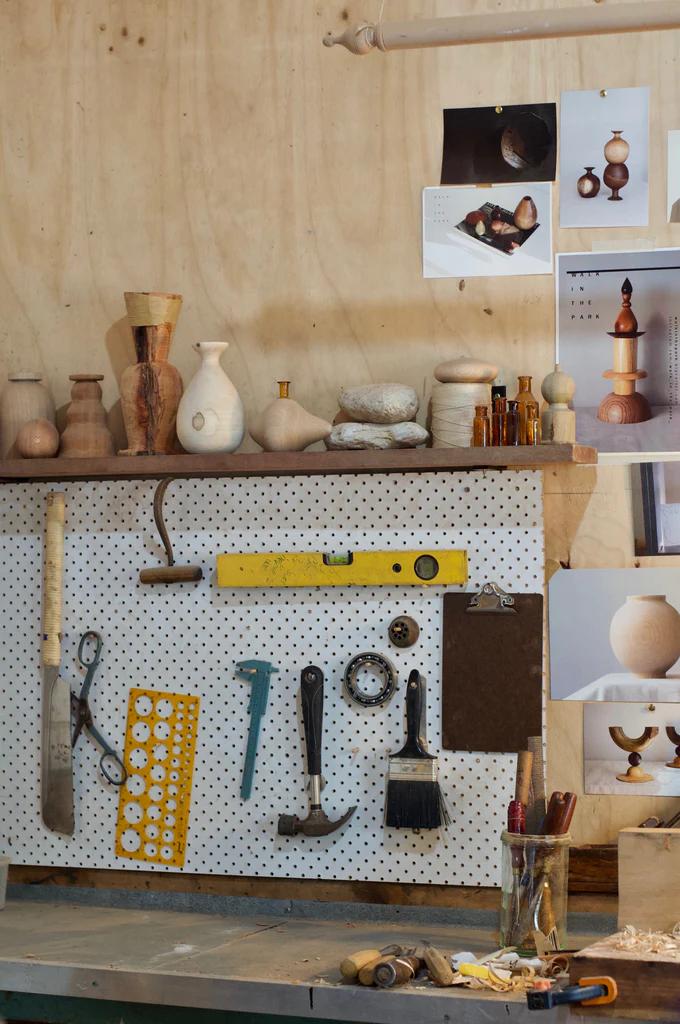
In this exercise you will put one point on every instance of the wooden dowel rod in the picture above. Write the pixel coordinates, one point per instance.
(598, 19)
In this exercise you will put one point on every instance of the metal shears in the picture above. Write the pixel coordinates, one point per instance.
(110, 764)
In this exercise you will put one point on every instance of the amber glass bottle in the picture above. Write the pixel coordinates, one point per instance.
(498, 414)
(512, 424)
(523, 398)
(481, 428)
(533, 423)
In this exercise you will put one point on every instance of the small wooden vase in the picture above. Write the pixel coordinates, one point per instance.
(151, 388)
(86, 435)
(526, 214)
(284, 426)
(588, 185)
(615, 177)
(22, 400)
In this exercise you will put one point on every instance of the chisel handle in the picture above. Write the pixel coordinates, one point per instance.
(525, 760)
(54, 575)
(311, 695)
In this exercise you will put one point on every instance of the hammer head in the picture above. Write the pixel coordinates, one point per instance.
(317, 823)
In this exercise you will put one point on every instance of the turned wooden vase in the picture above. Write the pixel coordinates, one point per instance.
(86, 434)
(645, 635)
(22, 400)
(617, 149)
(526, 214)
(588, 185)
(151, 388)
(615, 177)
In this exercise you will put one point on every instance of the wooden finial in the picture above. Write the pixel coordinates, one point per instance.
(626, 322)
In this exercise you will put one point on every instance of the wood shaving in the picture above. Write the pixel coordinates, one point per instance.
(640, 941)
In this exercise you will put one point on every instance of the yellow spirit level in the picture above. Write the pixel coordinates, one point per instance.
(353, 569)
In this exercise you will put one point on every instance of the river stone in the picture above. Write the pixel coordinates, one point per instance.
(379, 403)
(376, 435)
(465, 370)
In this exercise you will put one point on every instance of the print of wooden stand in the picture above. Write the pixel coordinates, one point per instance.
(624, 404)
(635, 772)
(674, 737)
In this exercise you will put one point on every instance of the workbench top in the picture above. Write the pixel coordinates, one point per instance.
(266, 964)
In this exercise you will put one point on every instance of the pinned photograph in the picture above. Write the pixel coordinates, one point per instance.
(615, 635)
(631, 749)
(673, 190)
(499, 144)
(618, 332)
(500, 230)
(656, 497)
(604, 158)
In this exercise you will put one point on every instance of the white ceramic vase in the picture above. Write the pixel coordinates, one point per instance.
(645, 635)
(210, 414)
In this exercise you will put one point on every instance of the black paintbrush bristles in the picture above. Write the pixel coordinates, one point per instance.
(416, 803)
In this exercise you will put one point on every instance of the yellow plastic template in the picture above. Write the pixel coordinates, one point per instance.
(353, 569)
(153, 808)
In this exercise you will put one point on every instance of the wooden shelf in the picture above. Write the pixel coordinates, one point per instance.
(402, 460)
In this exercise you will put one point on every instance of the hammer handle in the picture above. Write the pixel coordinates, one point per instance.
(311, 693)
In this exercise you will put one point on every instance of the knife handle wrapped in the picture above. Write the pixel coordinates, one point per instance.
(53, 583)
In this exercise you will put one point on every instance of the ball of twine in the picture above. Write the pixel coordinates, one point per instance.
(453, 410)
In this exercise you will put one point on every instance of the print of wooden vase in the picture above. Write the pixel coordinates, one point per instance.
(151, 388)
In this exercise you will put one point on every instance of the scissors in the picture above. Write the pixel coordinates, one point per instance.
(111, 766)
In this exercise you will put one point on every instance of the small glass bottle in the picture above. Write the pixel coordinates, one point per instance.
(481, 428)
(512, 424)
(498, 415)
(533, 423)
(523, 398)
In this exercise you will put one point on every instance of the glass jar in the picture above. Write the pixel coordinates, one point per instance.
(523, 397)
(499, 424)
(533, 423)
(535, 873)
(481, 428)
(512, 424)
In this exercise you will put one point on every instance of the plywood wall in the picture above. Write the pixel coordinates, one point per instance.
(218, 149)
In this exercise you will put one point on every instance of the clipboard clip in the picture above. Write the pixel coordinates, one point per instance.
(492, 600)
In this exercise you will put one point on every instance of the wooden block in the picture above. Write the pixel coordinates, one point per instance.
(648, 984)
(649, 869)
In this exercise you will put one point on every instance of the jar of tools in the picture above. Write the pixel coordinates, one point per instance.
(535, 872)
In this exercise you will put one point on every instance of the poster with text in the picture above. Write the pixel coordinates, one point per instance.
(604, 158)
(618, 335)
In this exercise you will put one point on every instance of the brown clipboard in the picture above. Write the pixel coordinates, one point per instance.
(492, 670)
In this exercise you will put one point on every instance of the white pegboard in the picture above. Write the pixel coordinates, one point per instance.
(188, 637)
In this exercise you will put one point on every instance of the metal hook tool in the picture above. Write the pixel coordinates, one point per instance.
(171, 573)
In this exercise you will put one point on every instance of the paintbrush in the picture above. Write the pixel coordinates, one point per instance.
(414, 799)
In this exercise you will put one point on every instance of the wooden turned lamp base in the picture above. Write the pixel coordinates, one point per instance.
(624, 404)
(635, 773)
(624, 408)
